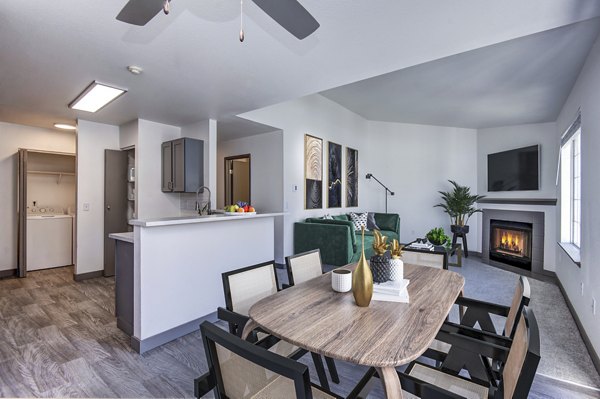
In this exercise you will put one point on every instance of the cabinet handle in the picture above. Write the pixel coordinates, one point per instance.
(108, 207)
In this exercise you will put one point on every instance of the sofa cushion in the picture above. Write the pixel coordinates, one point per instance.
(343, 217)
(338, 222)
(359, 220)
(388, 221)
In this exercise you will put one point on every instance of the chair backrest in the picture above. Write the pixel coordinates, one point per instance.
(244, 287)
(241, 369)
(523, 358)
(520, 300)
(304, 266)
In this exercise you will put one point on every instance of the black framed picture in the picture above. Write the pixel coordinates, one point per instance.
(351, 177)
(334, 176)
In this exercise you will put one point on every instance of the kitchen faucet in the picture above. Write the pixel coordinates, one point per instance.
(206, 208)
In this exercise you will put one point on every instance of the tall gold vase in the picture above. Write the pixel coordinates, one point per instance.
(362, 279)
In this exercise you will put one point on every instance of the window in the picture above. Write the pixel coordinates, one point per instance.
(570, 189)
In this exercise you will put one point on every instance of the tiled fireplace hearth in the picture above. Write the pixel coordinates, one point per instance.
(514, 238)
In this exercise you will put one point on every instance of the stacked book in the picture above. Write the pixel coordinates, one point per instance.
(418, 245)
(391, 291)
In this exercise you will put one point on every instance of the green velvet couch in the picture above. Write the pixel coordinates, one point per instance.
(336, 239)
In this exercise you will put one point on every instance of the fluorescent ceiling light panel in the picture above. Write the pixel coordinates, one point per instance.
(95, 97)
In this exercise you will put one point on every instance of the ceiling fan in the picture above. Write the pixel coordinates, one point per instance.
(290, 14)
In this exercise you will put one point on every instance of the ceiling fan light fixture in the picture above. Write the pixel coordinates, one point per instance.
(95, 97)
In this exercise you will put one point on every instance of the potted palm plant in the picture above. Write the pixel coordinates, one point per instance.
(458, 204)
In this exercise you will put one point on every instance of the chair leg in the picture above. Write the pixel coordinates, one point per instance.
(332, 370)
(318, 361)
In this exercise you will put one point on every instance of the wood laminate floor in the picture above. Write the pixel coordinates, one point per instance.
(58, 338)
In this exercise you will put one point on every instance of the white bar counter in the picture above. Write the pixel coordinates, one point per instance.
(178, 263)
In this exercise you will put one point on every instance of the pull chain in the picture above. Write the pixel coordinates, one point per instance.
(241, 20)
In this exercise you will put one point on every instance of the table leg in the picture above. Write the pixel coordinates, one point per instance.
(248, 328)
(391, 382)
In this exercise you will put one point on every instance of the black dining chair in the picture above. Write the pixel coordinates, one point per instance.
(243, 288)
(514, 381)
(239, 369)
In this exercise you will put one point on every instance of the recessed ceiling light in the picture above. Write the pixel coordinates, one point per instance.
(95, 97)
(65, 126)
(136, 70)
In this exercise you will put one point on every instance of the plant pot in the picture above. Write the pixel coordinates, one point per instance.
(434, 242)
(459, 229)
(380, 268)
(396, 269)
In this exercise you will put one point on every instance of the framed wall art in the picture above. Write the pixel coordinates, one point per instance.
(351, 177)
(313, 172)
(334, 176)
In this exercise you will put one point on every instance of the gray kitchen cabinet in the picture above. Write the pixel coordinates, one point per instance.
(182, 165)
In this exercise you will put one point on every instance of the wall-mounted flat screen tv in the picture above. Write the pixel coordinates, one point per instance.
(514, 170)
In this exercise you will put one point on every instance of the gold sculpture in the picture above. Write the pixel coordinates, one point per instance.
(396, 249)
(380, 246)
(362, 279)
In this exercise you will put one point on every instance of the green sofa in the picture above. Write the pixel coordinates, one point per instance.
(336, 239)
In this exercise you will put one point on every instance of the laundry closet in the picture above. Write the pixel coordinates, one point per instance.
(46, 209)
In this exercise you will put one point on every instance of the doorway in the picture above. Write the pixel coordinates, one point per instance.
(237, 179)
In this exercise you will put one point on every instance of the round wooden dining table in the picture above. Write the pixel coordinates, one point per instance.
(383, 335)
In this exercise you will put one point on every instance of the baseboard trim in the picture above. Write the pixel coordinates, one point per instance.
(8, 273)
(144, 345)
(586, 340)
(86, 276)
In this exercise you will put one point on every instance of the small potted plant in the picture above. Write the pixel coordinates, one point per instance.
(458, 204)
(437, 236)
(396, 263)
(380, 262)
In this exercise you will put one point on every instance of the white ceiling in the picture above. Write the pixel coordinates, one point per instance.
(525, 80)
(233, 127)
(195, 67)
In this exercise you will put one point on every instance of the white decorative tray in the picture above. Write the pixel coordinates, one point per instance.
(239, 213)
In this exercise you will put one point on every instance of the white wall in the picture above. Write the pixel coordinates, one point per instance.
(205, 130)
(13, 137)
(585, 95)
(413, 160)
(323, 118)
(92, 139)
(128, 134)
(416, 161)
(499, 139)
(266, 179)
(151, 201)
(47, 192)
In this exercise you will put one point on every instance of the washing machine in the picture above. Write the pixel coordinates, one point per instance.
(49, 241)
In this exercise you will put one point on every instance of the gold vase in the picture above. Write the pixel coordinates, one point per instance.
(362, 279)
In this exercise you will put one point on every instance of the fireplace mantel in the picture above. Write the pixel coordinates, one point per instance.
(519, 201)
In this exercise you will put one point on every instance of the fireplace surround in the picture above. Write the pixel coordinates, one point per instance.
(510, 242)
(514, 238)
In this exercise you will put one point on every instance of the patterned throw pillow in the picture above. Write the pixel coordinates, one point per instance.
(328, 217)
(359, 220)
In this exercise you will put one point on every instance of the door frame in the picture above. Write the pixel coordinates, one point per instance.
(226, 170)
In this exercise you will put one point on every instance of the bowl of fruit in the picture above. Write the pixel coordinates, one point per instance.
(240, 208)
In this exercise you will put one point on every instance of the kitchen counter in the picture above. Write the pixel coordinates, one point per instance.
(127, 237)
(177, 267)
(198, 219)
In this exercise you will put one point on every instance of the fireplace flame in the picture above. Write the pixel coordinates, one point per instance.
(510, 241)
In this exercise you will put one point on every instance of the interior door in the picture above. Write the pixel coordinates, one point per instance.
(22, 213)
(115, 203)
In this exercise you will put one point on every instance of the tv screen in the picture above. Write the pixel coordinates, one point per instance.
(514, 170)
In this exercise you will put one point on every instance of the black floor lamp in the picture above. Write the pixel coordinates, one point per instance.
(387, 190)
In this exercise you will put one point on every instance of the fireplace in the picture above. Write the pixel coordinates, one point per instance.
(510, 242)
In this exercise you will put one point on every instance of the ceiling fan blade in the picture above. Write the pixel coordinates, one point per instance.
(140, 12)
(291, 15)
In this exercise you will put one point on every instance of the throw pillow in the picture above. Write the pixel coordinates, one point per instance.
(371, 224)
(328, 217)
(359, 220)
